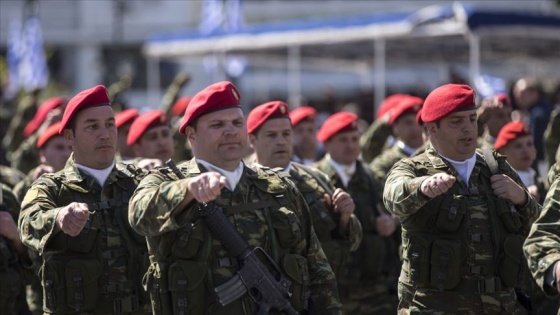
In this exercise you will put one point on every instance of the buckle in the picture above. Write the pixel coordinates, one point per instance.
(491, 285)
(125, 305)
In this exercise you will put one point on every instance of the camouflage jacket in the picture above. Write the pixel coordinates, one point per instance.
(455, 240)
(542, 246)
(381, 165)
(267, 210)
(313, 184)
(373, 141)
(10, 176)
(377, 255)
(100, 269)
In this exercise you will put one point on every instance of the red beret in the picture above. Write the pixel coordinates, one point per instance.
(419, 118)
(264, 112)
(51, 132)
(42, 113)
(339, 122)
(218, 96)
(511, 131)
(94, 96)
(407, 104)
(143, 123)
(388, 103)
(504, 99)
(447, 99)
(126, 116)
(180, 106)
(302, 113)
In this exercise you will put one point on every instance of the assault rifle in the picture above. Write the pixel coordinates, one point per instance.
(270, 290)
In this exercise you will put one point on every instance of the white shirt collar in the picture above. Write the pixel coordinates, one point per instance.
(233, 177)
(464, 168)
(345, 172)
(408, 150)
(99, 175)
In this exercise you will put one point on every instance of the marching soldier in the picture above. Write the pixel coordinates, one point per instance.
(195, 267)
(76, 219)
(464, 216)
(150, 136)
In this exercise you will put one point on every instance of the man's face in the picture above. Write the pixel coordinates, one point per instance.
(305, 142)
(344, 147)
(220, 137)
(55, 153)
(94, 138)
(520, 152)
(273, 143)
(155, 143)
(408, 131)
(456, 135)
(123, 148)
(497, 119)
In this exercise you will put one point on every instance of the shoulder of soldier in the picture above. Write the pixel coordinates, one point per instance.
(271, 180)
(503, 166)
(9, 201)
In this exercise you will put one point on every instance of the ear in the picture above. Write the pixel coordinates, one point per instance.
(69, 136)
(252, 139)
(190, 132)
(431, 128)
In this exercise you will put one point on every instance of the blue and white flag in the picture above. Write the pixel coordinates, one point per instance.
(488, 86)
(234, 13)
(212, 17)
(13, 57)
(33, 69)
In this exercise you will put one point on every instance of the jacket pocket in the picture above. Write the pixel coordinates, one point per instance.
(188, 241)
(295, 267)
(509, 216)
(186, 284)
(451, 213)
(82, 284)
(323, 222)
(417, 257)
(445, 262)
(510, 260)
(54, 286)
(155, 282)
(287, 227)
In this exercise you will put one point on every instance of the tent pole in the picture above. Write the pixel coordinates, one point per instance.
(474, 57)
(379, 72)
(153, 73)
(294, 76)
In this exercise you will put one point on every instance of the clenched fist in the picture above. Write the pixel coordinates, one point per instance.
(207, 186)
(437, 184)
(72, 218)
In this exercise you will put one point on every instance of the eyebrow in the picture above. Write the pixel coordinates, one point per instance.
(90, 120)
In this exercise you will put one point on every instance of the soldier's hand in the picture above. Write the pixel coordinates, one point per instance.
(344, 205)
(72, 218)
(385, 224)
(150, 164)
(437, 184)
(505, 187)
(8, 227)
(207, 186)
(534, 191)
(42, 169)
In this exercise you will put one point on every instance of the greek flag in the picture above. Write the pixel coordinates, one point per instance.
(235, 19)
(488, 86)
(13, 57)
(33, 69)
(212, 17)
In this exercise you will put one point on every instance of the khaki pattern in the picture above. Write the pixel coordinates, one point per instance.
(374, 139)
(266, 209)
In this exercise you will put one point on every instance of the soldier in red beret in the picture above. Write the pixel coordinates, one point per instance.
(493, 113)
(464, 214)
(305, 134)
(123, 121)
(364, 288)
(150, 136)
(261, 205)
(338, 230)
(92, 260)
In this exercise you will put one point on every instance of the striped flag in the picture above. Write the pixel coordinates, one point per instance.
(488, 86)
(13, 57)
(33, 69)
(212, 17)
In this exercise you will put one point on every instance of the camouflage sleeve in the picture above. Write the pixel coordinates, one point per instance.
(38, 213)
(542, 246)
(157, 205)
(373, 140)
(402, 196)
(552, 137)
(355, 233)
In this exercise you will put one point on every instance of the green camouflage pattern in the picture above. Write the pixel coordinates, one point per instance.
(26, 109)
(373, 140)
(369, 282)
(26, 156)
(10, 176)
(257, 208)
(453, 245)
(552, 138)
(381, 165)
(107, 252)
(336, 244)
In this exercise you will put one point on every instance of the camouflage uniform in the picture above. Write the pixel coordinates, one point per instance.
(365, 285)
(25, 111)
(337, 245)
(99, 270)
(12, 286)
(552, 137)
(188, 262)
(462, 249)
(10, 176)
(374, 139)
(542, 246)
(381, 165)
(26, 156)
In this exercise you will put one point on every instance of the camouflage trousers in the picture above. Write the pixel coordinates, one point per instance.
(429, 301)
(368, 300)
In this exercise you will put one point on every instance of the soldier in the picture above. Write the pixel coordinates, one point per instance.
(10, 176)
(190, 262)
(150, 136)
(123, 121)
(542, 246)
(463, 216)
(76, 219)
(183, 150)
(338, 229)
(493, 114)
(408, 136)
(364, 286)
(13, 257)
(304, 130)
(515, 141)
